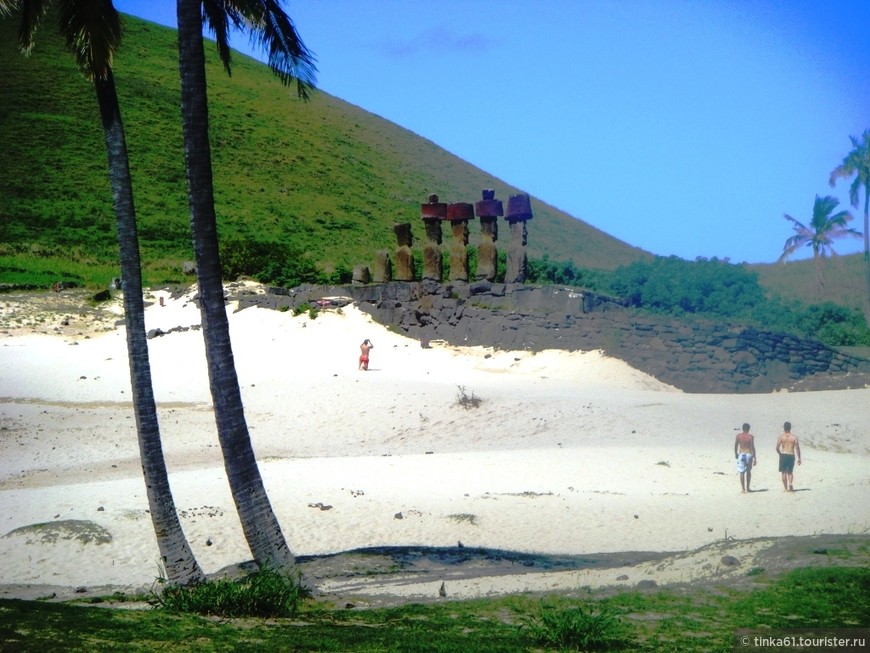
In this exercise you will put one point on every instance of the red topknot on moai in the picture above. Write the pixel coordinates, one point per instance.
(459, 214)
(488, 210)
(519, 212)
(433, 213)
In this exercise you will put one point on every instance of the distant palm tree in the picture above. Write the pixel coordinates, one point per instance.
(825, 227)
(92, 29)
(291, 61)
(857, 164)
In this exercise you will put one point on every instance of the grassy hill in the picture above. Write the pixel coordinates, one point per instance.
(843, 280)
(323, 176)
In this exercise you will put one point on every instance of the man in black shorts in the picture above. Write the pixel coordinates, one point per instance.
(787, 447)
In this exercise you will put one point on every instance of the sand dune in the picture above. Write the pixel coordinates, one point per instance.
(567, 453)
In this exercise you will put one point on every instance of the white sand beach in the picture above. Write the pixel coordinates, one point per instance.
(567, 453)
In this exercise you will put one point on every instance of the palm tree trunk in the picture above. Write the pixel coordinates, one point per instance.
(179, 563)
(867, 250)
(818, 262)
(261, 527)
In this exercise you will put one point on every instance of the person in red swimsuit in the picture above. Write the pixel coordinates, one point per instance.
(364, 350)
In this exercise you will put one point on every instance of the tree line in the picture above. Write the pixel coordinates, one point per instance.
(712, 289)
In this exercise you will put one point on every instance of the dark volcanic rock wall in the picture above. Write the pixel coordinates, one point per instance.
(701, 356)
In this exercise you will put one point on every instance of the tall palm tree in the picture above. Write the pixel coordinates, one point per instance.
(824, 228)
(92, 29)
(857, 164)
(291, 61)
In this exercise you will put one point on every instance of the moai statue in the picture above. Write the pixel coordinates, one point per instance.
(383, 269)
(488, 210)
(433, 213)
(361, 275)
(459, 214)
(519, 212)
(404, 259)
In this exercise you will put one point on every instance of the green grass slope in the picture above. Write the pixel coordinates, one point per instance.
(843, 280)
(323, 176)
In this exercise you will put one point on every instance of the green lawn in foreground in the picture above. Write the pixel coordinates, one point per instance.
(699, 618)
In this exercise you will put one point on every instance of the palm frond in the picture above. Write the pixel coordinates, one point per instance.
(92, 30)
(217, 16)
(797, 225)
(836, 234)
(791, 246)
(856, 163)
(7, 7)
(93, 34)
(269, 28)
(855, 189)
(289, 58)
(272, 30)
(822, 209)
(32, 14)
(840, 219)
(802, 236)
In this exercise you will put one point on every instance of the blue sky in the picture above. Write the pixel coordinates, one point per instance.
(684, 127)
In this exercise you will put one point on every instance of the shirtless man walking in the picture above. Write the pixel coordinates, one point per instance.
(744, 452)
(787, 446)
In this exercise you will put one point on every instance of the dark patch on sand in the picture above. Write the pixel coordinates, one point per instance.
(397, 564)
(80, 530)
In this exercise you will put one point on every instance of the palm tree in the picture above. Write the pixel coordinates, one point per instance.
(92, 29)
(825, 227)
(291, 61)
(857, 164)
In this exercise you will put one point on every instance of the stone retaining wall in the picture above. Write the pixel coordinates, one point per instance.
(700, 356)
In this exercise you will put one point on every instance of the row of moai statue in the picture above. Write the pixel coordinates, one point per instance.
(459, 214)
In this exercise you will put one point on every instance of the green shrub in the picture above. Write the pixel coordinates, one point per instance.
(579, 627)
(341, 275)
(563, 273)
(302, 308)
(835, 325)
(313, 311)
(676, 286)
(755, 571)
(264, 593)
(467, 401)
(717, 289)
(267, 262)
